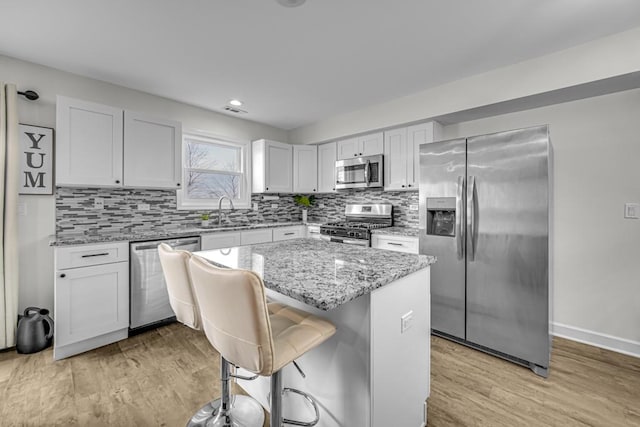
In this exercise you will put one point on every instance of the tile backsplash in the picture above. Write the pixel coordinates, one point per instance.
(75, 210)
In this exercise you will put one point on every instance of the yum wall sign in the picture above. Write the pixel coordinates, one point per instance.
(36, 160)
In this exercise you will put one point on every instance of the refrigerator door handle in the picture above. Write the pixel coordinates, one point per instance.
(471, 218)
(460, 218)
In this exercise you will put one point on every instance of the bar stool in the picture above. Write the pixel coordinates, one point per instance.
(229, 410)
(259, 337)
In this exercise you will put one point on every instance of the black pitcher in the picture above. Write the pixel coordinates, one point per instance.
(35, 330)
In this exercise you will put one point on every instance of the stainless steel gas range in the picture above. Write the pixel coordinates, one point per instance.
(360, 220)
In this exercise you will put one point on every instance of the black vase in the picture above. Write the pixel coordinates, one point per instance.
(35, 330)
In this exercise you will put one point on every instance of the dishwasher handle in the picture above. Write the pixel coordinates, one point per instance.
(173, 243)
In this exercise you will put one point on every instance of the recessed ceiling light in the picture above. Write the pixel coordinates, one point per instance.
(236, 103)
(290, 3)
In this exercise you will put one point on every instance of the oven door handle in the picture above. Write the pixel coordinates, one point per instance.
(352, 242)
(366, 173)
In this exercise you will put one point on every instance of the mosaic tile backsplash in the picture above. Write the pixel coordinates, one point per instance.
(75, 212)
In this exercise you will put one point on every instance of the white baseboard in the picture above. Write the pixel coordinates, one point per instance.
(608, 342)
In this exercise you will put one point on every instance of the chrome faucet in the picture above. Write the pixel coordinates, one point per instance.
(220, 208)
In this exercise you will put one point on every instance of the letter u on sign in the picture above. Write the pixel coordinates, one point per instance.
(36, 160)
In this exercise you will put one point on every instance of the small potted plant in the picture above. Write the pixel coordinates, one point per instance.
(204, 220)
(305, 202)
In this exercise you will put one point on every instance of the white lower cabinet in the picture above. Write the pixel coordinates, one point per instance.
(91, 297)
(227, 239)
(251, 237)
(287, 233)
(391, 242)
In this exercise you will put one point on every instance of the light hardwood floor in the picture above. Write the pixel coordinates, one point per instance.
(159, 378)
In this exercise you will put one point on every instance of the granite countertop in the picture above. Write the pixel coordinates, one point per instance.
(322, 274)
(397, 231)
(157, 234)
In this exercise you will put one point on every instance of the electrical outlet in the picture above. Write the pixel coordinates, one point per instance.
(406, 321)
(144, 206)
(274, 206)
(98, 203)
(255, 207)
(321, 205)
(413, 207)
(632, 210)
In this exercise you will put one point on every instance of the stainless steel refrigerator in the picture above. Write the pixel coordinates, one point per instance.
(485, 206)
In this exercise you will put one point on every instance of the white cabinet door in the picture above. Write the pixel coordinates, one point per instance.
(371, 144)
(272, 166)
(305, 168)
(250, 237)
(327, 168)
(219, 240)
(348, 148)
(288, 233)
(89, 144)
(416, 135)
(152, 151)
(91, 301)
(396, 159)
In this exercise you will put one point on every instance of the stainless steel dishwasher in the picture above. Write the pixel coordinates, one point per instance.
(149, 300)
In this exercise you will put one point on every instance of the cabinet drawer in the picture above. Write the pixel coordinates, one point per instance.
(286, 233)
(395, 243)
(94, 254)
(251, 237)
(219, 240)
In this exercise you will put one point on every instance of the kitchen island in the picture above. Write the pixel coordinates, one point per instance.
(374, 371)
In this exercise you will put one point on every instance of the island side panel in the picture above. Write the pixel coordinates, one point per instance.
(400, 361)
(338, 371)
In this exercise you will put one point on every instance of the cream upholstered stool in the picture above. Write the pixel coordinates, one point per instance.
(229, 410)
(259, 337)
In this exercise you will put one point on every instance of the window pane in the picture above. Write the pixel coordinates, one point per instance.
(212, 185)
(201, 155)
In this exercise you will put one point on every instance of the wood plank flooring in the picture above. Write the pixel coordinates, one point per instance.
(161, 377)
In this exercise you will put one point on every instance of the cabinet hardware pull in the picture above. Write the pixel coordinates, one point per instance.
(92, 255)
(360, 154)
(267, 188)
(403, 186)
(117, 181)
(63, 275)
(178, 184)
(409, 185)
(394, 244)
(288, 234)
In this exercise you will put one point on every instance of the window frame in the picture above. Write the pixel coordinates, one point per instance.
(184, 203)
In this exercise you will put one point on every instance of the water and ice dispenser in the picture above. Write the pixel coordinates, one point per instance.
(441, 216)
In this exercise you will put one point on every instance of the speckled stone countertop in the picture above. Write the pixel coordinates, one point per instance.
(158, 234)
(322, 274)
(397, 231)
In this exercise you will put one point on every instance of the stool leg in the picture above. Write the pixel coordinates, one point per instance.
(236, 411)
(276, 399)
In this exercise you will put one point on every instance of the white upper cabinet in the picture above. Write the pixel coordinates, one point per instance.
(365, 145)
(305, 168)
(327, 168)
(402, 154)
(416, 135)
(272, 165)
(104, 146)
(152, 151)
(396, 160)
(371, 144)
(89, 144)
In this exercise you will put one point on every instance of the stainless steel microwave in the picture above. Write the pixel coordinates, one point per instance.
(359, 172)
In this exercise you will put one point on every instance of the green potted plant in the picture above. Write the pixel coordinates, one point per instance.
(204, 220)
(304, 201)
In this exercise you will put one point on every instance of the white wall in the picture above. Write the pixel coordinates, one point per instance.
(36, 257)
(604, 58)
(596, 144)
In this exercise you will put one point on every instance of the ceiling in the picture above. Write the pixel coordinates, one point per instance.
(295, 66)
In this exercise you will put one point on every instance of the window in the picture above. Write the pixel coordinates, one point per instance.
(212, 168)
